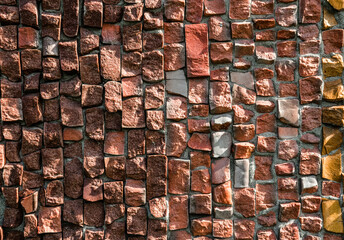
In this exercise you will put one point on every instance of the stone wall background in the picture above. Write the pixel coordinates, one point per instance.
(175, 119)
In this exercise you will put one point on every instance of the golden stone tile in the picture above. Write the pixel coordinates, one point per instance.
(333, 67)
(332, 216)
(333, 91)
(332, 139)
(332, 166)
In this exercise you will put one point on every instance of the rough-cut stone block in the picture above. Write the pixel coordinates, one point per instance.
(196, 37)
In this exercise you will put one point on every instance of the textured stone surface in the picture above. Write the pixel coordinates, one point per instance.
(119, 117)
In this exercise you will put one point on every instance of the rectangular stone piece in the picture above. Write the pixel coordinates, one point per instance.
(197, 52)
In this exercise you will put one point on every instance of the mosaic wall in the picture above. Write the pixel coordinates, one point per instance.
(171, 119)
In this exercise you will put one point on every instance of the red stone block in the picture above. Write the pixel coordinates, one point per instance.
(265, 106)
(200, 181)
(266, 144)
(308, 66)
(265, 55)
(95, 123)
(223, 193)
(51, 69)
(311, 224)
(51, 5)
(111, 34)
(309, 162)
(288, 149)
(310, 11)
(113, 192)
(51, 25)
(244, 229)
(113, 97)
(32, 109)
(11, 109)
(89, 69)
(31, 60)
(94, 234)
(264, 23)
(221, 52)
(49, 220)
(243, 150)
(285, 70)
(173, 32)
(268, 234)
(287, 90)
(133, 13)
(244, 132)
(199, 159)
(94, 214)
(136, 143)
(310, 89)
(8, 37)
(309, 47)
(93, 13)
(113, 13)
(200, 204)
(178, 212)
(288, 189)
(286, 16)
(331, 189)
(198, 91)
(289, 211)
(239, 9)
(135, 192)
(156, 176)
(219, 97)
(244, 201)
(244, 48)
(114, 143)
(88, 41)
(28, 12)
(153, 66)
(174, 56)
(70, 17)
(266, 123)
(286, 34)
(311, 118)
(199, 110)
(114, 212)
(265, 88)
(285, 169)
(133, 115)
(201, 226)
(69, 56)
(153, 20)
(9, 14)
(194, 11)
(290, 231)
(268, 219)
(155, 120)
(199, 141)
(308, 32)
(132, 37)
(196, 37)
(174, 10)
(154, 96)
(333, 40)
(265, 196)
(286, 49)
(71, 112)
(176, 139)
(242, 115)
(217, 7)
(91, 95)
(222, 228)
(73, 178)
(310, 204)
(266, 35)
(262, 7)
(178, 176)
(52, 162)
(152, 41)
(242, 30)
(219, 29)
(93, 189)
(263, 167)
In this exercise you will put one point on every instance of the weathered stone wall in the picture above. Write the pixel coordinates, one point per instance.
(171, 119)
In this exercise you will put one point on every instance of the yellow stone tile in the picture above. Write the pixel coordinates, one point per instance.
(332, 166)
(333, 91)
(329, 20)
(332, 139)
(333, 115)
(337, 4)
(333, 67)
(332, 216)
